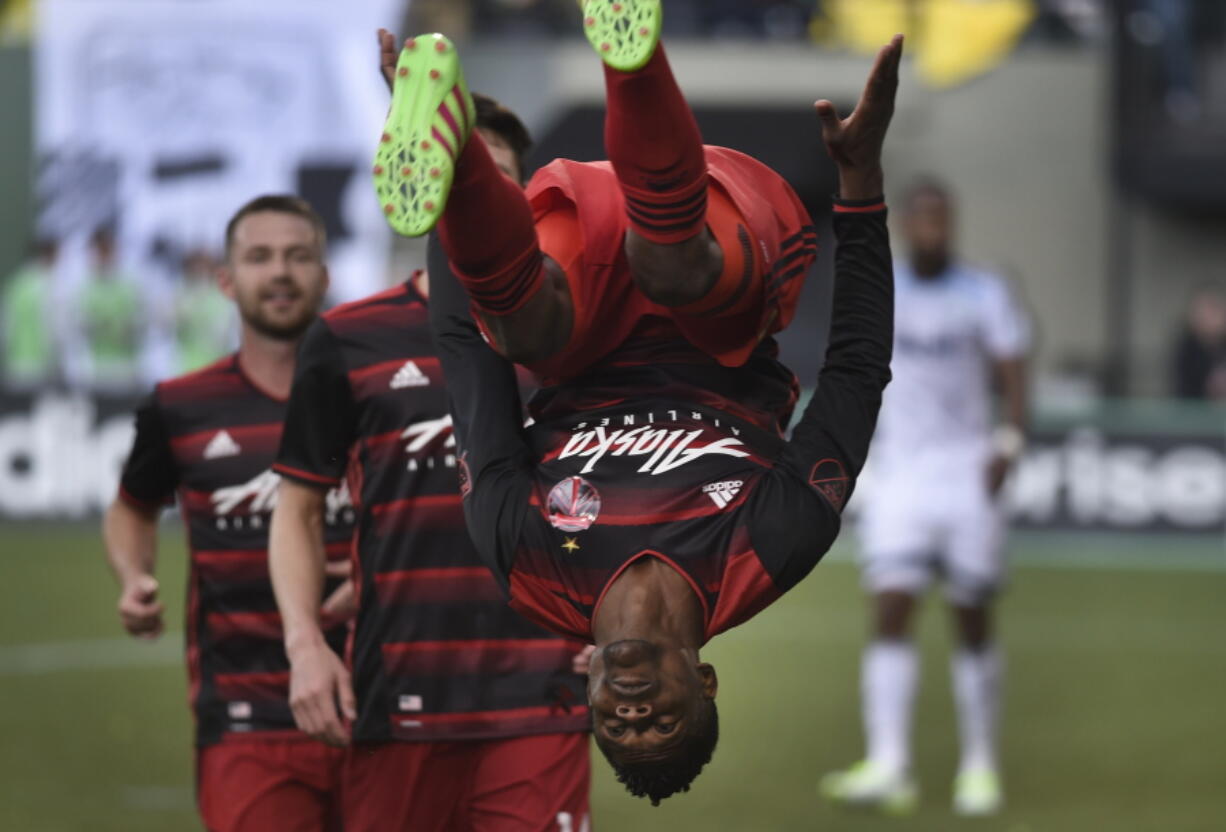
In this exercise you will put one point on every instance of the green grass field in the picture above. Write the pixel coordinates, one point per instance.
(1114, 720)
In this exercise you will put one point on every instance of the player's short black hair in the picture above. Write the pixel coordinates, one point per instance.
(658, 779)
(498, 119)
(929, 186)
(279, 204)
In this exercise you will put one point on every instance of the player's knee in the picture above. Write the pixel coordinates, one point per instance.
(893, 614)
(676, 274)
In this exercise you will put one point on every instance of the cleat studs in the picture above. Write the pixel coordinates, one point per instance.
(403, 71)
(617, 7)
(385, 138)
(604, 47)
(406, 171)
(410, 44)
(440, 47)
(644, 32)
(429, 206)
(589, 22)
(425, 145)
(435, 173)
(378, 170)
(389, 208)
(434, 75)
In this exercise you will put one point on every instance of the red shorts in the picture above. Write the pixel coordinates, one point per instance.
(764, 231)
(525, 784)
(254, 785)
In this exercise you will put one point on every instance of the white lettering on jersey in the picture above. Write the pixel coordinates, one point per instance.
(421, 434)
(666, 450)
(261, 490)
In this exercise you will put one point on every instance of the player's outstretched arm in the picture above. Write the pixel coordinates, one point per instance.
(130, 536)
(320, 691)
(840, 419)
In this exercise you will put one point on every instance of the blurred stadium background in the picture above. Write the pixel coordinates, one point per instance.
(1086, 141)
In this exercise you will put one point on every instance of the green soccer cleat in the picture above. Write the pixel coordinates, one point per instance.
(623, 32)
(977, 793)
(870, 786)
(431, 118)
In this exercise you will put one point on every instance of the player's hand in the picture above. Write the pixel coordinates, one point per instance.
(581, 662)
(340, 606)
(321, 694)
(855, 142)
(998, 470)
(388, 56)
(139, 607)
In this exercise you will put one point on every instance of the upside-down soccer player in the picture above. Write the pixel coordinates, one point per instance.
(467, 716)
(209, 438)
(653, 504)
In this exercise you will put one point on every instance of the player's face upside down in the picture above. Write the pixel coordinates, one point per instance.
(653, 714)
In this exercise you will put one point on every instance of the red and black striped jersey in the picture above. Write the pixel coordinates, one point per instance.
(209, 438)
(684, 483)
(436, 652)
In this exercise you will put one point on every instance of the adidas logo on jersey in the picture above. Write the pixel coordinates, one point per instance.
(410, 375)
(723, 493)
(222, 444)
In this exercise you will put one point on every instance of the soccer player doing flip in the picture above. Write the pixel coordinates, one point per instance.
(653, 503)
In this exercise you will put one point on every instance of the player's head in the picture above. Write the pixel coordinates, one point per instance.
(928, 225)
(274, 268)
(653, 715)
(506, 136)
(102, 249)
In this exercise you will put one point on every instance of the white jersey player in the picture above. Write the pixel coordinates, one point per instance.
(938, 464)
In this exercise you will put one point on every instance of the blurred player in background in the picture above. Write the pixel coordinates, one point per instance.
(209, 438)
(933, 507)
(466, 715)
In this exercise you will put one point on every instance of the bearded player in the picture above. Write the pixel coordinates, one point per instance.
(458, 712)
(209, 439)
(654, 503)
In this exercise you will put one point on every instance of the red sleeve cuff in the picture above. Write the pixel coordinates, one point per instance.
(304, 476)
(137, 502)
(858, 206)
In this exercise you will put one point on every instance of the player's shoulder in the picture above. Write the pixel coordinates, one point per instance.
(205, 382)
(397, 296)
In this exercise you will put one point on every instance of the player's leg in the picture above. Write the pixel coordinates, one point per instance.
(655, 147)
(405, 785)
(975, 572)
(254, 785)
(432, 168)
(531, 784)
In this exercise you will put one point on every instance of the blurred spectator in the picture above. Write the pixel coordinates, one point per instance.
(109, 314)
(30, 358)
(204, 318)
(1199, 363)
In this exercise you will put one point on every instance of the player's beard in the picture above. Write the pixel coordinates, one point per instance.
(279, 328)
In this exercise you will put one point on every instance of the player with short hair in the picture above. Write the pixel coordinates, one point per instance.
(653, 503)
(208, 439)
(467, 716)
(957, 329)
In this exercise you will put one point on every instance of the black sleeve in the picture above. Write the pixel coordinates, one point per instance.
(830, 442)
(488, 421)
(321, 420)
(150, 475)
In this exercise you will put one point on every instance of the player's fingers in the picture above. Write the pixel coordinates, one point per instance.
(883, 79)
(828, 114)
(338, 568)
(344, 694)
(341, 605)
(146, 587)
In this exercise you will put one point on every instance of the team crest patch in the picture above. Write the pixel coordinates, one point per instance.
(466, 481)
(573, 505)
(831, 481)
